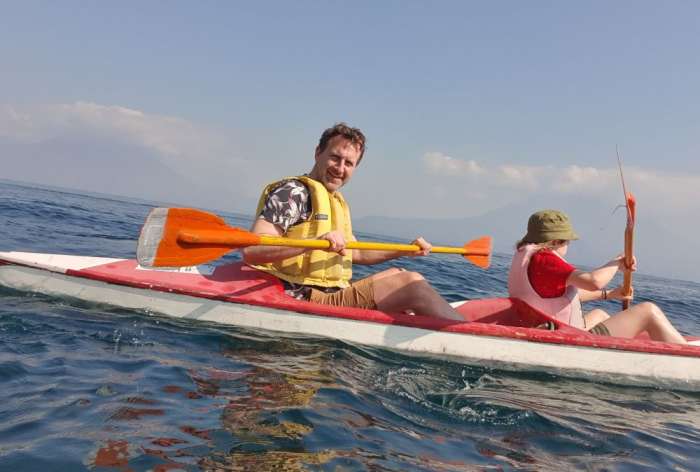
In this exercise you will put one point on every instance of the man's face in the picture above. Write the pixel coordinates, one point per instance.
(335, 164)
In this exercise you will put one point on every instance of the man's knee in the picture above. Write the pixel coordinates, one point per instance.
(401, 279)
(408, 277)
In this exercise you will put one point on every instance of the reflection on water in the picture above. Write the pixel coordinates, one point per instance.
(341, 407)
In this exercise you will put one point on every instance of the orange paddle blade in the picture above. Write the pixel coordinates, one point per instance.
(478, 252)
(629, 247)
(175, 237)
(631, 209)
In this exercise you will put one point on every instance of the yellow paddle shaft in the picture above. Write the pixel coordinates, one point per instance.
(239, 238)
(367, 246)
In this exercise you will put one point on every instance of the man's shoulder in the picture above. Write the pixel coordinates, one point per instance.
(291, 185)
(286, 204)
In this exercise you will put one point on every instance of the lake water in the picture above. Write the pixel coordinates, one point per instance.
(89, 387)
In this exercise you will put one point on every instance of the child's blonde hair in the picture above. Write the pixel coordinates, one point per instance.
(553, 244)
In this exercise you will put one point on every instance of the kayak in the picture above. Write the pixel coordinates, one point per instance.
(500, 333)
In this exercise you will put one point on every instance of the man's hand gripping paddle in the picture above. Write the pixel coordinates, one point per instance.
(631, 205)
(174, 237)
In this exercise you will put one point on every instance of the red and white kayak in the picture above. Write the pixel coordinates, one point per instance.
(501, 333)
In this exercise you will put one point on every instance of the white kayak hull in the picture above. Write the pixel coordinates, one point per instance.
(509, 353)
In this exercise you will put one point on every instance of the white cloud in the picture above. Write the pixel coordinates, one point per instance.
(673, 192)
(665, 192)
(573, 179)
(169, 136)
(441, 164)
(209, 158)
(518, 177)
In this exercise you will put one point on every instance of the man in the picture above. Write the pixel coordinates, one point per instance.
(311, 207)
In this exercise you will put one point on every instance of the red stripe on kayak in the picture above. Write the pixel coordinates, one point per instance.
(238, 283)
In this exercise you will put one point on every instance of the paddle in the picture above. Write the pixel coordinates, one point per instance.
(174, 237)
(631, 205)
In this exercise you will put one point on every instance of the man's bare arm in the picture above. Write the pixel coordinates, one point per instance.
(263, 254)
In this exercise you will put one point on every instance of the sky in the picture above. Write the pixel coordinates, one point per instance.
(470, 108)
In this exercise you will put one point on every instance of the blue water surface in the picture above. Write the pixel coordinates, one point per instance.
(91, 387)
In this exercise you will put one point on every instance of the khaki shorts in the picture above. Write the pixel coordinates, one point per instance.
(359, 294)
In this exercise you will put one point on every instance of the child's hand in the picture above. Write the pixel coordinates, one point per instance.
(616, 294)
(619, 261)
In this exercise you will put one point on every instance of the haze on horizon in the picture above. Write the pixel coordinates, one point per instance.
(476, 114)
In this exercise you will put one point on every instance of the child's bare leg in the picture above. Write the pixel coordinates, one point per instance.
(644, 317)
(594, 317)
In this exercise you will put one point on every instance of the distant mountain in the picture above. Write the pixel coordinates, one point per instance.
(507, 224)
(93, 164)
(601, 231)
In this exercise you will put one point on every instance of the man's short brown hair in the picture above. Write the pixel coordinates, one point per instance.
(354, 135)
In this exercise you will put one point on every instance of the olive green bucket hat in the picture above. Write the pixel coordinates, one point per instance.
(549, 225)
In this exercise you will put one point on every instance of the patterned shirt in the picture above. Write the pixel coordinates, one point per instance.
(287, 205)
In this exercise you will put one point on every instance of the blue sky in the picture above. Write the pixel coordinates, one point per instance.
(533, 75)
(474, 106)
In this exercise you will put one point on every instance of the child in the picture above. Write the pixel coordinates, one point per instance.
(541, 277)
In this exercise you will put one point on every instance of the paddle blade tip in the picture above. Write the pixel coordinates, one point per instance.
(478, 252)
(151, 236)
(631, 205)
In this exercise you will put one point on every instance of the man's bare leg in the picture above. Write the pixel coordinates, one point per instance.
(397, 291)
